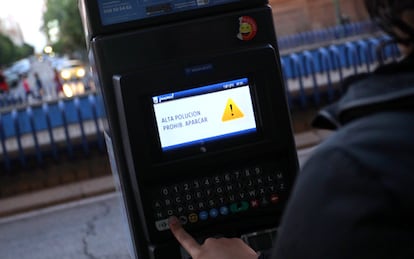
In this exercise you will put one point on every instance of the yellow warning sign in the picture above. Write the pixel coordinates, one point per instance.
(231, 111)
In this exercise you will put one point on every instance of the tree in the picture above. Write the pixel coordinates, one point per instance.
(9, 52)
(70, 37)
(25, 50)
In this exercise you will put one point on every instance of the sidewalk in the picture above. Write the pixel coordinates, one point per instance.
(105, 184)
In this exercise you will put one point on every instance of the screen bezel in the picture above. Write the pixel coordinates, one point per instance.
(134, 92)
(213, 145)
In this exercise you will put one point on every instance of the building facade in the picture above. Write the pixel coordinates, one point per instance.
(294, 16)
(11, 28)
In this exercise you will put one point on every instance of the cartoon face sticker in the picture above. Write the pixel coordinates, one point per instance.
(247, 28)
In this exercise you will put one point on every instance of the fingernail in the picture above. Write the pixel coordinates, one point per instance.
(173, 221)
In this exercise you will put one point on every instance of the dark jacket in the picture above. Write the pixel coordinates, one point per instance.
(355, 196)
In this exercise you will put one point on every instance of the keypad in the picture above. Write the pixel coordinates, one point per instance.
(209, 198)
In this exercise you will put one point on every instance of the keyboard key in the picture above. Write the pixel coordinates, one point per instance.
(224, 210)
(239, 206)
(214, 213)
(193, 218)
(217, 180)
(255, 203)
(274, 198)
(162, 225)
(196, 184)
(165, 191)
(203, 215)
(186, 187)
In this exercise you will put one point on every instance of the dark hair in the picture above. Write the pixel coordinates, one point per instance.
(387, 14)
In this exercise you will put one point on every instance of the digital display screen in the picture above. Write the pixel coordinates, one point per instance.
(118, 11)
(203, 114)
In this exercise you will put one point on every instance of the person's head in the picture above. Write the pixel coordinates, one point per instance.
(395, 17)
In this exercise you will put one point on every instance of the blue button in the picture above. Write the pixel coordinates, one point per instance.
(214, 213)
(224, 210)
(203, 215)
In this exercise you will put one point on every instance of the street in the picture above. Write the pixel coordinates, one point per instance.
(46, 74)
(90, 228)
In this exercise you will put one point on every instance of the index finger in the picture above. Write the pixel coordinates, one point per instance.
(182, 236)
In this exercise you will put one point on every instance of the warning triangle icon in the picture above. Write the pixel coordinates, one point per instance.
(231, 111)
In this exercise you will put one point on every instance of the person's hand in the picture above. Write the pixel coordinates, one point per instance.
(214, 248)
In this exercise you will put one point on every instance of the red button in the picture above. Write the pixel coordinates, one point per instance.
(274, 198)
(254, 203)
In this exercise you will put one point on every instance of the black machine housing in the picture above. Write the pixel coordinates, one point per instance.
(234, 186)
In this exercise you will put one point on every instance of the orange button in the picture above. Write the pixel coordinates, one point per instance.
(193, 218)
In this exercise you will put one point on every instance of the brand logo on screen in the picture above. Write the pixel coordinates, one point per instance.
(247, 28)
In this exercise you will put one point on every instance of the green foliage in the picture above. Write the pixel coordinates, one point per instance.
(7, 50)
(70, 37)
(25, 51)
(10, 52)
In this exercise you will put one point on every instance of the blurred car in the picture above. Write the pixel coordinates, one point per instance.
(15, 71)
(21, 67)
(72, 70)
(75, 76)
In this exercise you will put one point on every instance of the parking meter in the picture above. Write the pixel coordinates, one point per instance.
(197, 120)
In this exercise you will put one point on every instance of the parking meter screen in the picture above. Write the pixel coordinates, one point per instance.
(203, 114)
(117, 11)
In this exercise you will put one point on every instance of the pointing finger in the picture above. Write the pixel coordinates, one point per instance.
(185, 239)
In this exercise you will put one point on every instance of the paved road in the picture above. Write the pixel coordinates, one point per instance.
(46, 75)
(87, 229)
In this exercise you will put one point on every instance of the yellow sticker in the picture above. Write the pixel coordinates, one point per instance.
(231, 111)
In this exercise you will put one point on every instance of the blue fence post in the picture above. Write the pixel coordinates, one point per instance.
(310, 64)
(352, 56)
(6, 159)
(282, 42)
(326, 67)
(15, 118)
(364, 53)
(39, 156)
(394, 51)
(55, 151)
(69, 146)
(374, 43)
(298, 69)
(81, 126)
(336, 62)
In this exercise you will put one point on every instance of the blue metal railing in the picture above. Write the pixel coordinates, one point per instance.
(306, 68)
(32, 132)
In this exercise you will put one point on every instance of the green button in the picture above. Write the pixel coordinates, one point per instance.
(239, 206)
